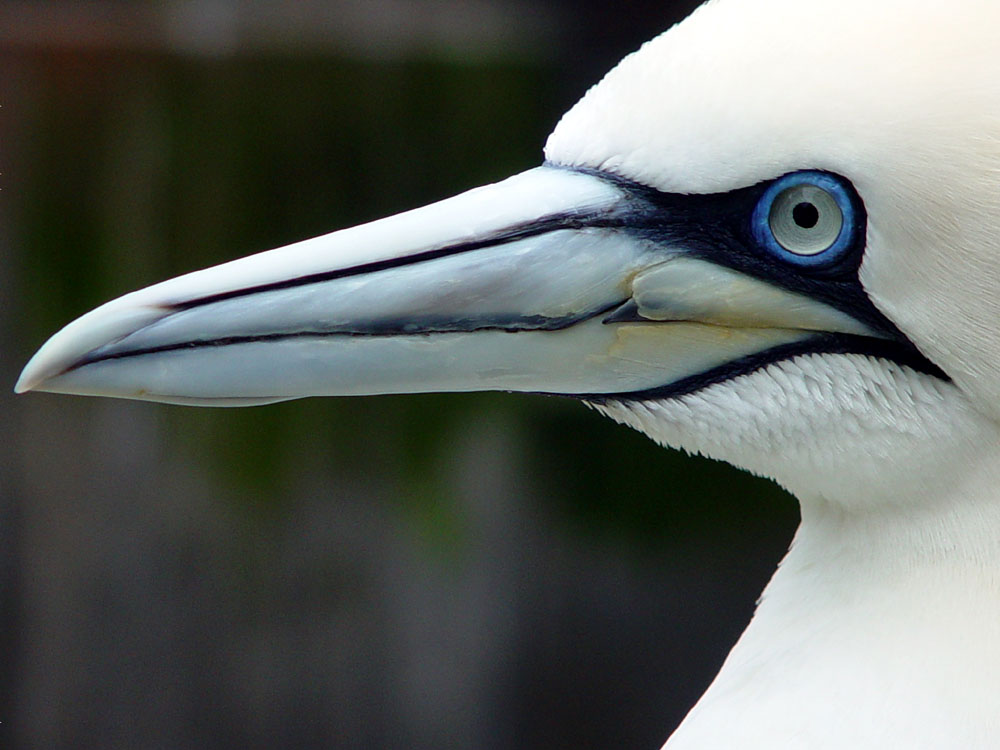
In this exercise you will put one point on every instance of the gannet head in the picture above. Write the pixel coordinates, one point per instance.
(764, 230)
(901, 101)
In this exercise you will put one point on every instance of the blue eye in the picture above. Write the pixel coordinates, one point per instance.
(807, 218)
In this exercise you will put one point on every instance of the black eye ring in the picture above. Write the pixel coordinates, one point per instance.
(808, 219)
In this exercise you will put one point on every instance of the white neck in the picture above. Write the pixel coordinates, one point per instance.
(881, 627)
(877, 631)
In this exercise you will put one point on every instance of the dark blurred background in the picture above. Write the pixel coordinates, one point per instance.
(481, 571)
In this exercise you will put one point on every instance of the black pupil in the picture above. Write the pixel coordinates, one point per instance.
(806, 215)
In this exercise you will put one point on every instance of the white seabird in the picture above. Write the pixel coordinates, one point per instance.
(770, 236)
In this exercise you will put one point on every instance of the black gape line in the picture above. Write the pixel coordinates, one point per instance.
(376, 329)
(902, 353)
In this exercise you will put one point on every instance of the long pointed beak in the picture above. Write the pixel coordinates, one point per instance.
(533, 284)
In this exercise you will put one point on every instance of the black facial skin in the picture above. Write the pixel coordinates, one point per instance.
(717, 228)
